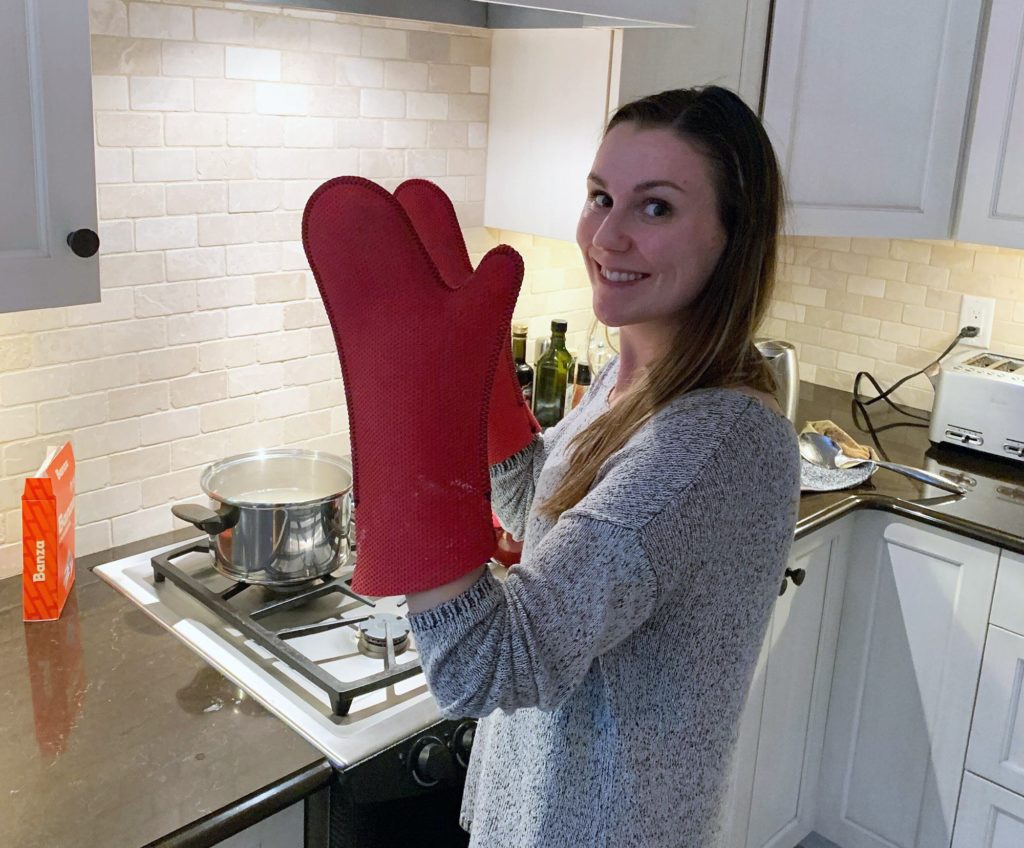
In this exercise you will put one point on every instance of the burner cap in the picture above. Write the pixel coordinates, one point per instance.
(374, 631)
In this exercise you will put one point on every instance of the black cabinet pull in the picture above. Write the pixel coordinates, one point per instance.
(797, 575)
(83, 243)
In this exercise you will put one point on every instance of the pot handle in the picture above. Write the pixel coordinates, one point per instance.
(207, 520)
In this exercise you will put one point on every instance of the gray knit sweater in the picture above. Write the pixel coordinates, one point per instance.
(613, 662)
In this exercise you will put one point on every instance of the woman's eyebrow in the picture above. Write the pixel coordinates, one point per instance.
(644, 186)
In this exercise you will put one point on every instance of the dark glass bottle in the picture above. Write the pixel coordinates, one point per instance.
(551, 378)
(524, 371)
(582, 383)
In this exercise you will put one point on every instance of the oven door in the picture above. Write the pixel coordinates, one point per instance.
(408, 794)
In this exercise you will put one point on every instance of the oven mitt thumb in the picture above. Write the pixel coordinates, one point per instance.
(418, 350)
(510, 423)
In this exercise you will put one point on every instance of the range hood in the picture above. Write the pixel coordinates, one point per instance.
(506, 14)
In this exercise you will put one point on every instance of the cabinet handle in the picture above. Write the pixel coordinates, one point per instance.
(83, 243)
(797, 575)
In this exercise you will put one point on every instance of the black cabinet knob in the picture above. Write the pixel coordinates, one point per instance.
(797, 575)
(83, 243)
(431, 762)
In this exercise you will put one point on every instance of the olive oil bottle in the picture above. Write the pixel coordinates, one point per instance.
(551, 377)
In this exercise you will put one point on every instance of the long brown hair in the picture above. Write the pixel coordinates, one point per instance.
(715, 347)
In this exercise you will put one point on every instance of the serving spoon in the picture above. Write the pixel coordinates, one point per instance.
(822, 450)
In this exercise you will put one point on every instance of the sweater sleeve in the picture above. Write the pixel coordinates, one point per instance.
(529, 642)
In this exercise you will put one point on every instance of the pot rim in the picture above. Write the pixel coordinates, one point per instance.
(273, 453)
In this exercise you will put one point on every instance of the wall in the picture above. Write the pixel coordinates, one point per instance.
(214, 122)
(889, 306)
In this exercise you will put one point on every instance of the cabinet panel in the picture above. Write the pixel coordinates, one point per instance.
(48, 171)
(992, 209)
(789, 744)
(541, 147)
(997, 733)
(914, 620)
(989, 816)
(865, 103)
(1008, 603)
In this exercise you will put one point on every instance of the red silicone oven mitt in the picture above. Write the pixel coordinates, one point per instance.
(510, 422)
(418, 351)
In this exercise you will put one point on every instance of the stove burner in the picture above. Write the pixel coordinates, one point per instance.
(375, 630)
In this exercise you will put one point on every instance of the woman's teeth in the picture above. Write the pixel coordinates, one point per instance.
(620, 276)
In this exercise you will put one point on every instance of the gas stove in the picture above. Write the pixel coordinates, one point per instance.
(340, 670)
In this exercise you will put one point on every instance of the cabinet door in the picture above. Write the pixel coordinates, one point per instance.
(865, 104)
(547, 111)
(910, 644)
(988, 817)
(741, 778)
(997, 732)
(798, 677)
(47, 170)
(992, 208)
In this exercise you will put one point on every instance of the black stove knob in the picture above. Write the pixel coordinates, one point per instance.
(462, 742)
(431, 762)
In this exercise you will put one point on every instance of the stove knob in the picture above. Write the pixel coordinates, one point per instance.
(462, 742)
(431, 762)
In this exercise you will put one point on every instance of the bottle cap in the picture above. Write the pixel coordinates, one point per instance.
(520, 329)
(582, 374)
(559, 325)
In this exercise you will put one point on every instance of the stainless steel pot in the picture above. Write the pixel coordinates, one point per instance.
(281, 516)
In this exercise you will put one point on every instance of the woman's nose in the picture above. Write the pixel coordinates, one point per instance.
(611, 234)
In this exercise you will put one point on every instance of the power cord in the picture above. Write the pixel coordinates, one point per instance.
(883, 394)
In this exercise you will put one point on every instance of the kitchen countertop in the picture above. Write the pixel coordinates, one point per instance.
(992, 510)
(112, 732)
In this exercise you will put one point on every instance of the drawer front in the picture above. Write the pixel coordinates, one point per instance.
(1008, 604)
(996, 748)
(988, 816)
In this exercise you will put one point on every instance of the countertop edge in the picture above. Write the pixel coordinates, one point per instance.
(908, 509)
(272, 798)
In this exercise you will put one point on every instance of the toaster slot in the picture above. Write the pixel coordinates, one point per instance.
(963, 436)
(1012, 446)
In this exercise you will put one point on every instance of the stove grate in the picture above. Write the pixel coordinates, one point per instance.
(339, 693)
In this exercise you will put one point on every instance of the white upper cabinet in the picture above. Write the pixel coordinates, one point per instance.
(992, 208)
(47, 170)
(866, 104)
(552, 92)
(676, 12)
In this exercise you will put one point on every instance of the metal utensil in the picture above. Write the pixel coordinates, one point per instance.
(822, 450)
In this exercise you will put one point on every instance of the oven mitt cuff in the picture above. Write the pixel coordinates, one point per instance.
(419, 336)
(510, 422)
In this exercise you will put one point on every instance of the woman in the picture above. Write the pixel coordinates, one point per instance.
(612, 664)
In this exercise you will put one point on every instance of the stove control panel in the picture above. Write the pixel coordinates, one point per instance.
(431, 759)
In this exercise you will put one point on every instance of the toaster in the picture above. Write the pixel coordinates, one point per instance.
(979, 403)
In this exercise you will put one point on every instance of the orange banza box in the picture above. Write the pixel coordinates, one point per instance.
(48, 536)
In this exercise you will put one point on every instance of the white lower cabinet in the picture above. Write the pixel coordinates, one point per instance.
(284, 829)
(779, 747)
(997, 734)
(989, 816)
(915, 613)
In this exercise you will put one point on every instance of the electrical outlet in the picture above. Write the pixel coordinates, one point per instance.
(978, 312)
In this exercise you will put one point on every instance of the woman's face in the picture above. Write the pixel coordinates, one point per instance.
(649, 233)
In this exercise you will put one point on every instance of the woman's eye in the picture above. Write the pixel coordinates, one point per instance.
(599, 199)
(656, 208)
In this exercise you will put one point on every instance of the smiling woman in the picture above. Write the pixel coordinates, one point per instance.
(611, 665)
